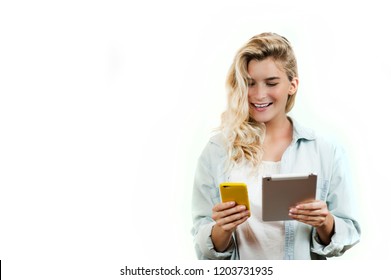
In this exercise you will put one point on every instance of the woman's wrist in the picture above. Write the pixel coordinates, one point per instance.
(326, 231)
(221, 239)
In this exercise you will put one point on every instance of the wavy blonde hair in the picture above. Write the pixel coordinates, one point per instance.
(245, 135)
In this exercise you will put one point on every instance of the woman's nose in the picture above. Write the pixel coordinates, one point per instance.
(261, 91)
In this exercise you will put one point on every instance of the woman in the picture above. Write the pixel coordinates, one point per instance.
(257, 137)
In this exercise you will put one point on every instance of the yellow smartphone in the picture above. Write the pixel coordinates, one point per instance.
(235, 191)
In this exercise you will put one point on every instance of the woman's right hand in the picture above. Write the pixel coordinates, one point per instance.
(227, 216)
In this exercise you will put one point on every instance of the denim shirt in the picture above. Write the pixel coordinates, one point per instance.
(307, 153)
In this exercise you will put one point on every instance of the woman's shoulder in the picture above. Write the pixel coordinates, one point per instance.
(323, 141)
(217, 145)
(215, 154)
(219, 139)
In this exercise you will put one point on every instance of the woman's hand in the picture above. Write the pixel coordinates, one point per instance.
(315, 213)
(227, 216)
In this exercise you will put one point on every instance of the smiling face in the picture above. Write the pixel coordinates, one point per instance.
(268, 90)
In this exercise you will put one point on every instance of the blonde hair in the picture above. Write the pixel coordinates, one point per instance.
(245, 135)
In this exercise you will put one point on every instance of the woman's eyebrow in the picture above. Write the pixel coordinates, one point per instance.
(272, 78)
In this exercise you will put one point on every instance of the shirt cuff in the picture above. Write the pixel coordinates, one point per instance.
(206, 247)
(336, 246)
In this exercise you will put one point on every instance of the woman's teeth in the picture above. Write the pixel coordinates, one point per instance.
(263, 105)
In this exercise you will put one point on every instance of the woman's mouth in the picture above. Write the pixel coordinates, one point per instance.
(261, 106)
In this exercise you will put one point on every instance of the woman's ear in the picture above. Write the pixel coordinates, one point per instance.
(294, 86)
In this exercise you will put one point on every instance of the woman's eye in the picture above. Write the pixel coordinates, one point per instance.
(251, 84)
(271, 84)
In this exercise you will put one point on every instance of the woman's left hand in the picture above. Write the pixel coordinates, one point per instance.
(314, 213)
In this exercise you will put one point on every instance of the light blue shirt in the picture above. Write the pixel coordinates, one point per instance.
(307, 153)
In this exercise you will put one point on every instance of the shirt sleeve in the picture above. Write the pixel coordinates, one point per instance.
(204, 246)
(205, 196)
(342, 204)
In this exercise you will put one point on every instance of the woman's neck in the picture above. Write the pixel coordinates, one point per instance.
(279, 129)
(277, 139)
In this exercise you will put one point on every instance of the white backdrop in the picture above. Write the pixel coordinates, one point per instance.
(105, 107)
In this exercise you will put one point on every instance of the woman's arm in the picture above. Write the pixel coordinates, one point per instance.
(210, 171)
(227, 217)
(334, 216)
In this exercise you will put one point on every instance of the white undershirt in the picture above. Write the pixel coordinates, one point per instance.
(258, 239)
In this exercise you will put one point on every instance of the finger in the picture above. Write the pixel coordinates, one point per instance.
(313, 205)
(233, 222)
(306, 217)
(232, 219)
(310, 220)
(223, 206)
(311, 223)
(229, 212)
(319, 212)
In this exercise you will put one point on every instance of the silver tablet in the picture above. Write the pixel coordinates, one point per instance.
(282, 191)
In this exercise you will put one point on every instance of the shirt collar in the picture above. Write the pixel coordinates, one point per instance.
(301, 132)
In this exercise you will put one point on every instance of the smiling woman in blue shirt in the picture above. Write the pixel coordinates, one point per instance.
(257, 137)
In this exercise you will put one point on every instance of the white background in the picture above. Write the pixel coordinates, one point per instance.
(105, 107)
